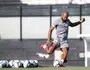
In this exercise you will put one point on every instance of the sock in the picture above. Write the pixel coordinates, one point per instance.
(44, 46)
(61, 61)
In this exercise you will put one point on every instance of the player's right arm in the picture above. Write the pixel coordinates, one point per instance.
(49, 34)
(50, 31)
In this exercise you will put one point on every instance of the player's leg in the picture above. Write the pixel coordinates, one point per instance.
(64, 55)
(50, 49)
(64, 48)
(65, 60)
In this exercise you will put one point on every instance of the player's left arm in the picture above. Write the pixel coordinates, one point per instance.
(76, 23)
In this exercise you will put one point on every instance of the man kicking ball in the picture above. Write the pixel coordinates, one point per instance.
(61, 25)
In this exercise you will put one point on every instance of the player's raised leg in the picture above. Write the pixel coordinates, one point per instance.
(50, 49)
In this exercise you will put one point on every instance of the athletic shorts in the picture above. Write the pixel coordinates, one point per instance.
(61, 43)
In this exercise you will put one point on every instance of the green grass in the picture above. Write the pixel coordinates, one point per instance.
(49, 68)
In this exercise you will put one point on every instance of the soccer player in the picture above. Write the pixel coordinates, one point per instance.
(61, 25)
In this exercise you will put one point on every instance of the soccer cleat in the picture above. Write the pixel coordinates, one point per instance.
(43, 46)
(62, 65)
(65, 61)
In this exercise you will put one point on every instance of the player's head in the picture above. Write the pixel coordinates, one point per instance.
(64, 16)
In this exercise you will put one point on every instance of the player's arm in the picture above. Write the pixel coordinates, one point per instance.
(49, 34)
(55, 23)
(76, 23)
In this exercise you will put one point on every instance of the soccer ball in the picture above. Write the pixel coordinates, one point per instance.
(36, 63)
(14, 63)
(33, 63)
(24, 63)
(3, 63)
(10, 63)
(56, 63)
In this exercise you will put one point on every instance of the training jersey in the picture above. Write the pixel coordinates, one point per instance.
(61, 28)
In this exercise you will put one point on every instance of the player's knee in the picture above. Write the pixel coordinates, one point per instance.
(49, 52)
(64, 50)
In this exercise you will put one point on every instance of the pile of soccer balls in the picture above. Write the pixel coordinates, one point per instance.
(18, 63)
(23, 63)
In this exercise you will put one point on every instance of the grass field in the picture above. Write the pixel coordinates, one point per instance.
(49, 68)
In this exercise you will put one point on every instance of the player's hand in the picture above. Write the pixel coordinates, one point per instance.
(82, 20)
(48, 42)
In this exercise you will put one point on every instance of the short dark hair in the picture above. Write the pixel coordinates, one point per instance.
(66, 12)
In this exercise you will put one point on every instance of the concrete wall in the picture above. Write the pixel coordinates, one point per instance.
(9, 27)
(86, 25)
(27, 49)
(35, 27)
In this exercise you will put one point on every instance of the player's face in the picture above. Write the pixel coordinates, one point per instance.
(64, 17)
